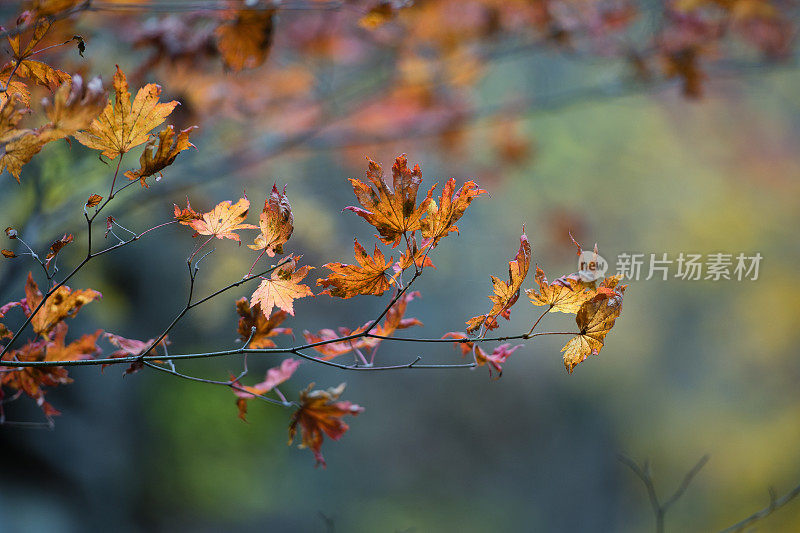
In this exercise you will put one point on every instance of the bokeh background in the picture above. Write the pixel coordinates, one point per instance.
(691, 367)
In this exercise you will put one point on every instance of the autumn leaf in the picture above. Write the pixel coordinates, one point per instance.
(265, 326)
(33, 380)
(19, 152)
(493, 360)
(282, 288)
(222, 222)
(275, 376)
(276, 223)
(35, 72)
(56, 247)
(595, 319)
(245, 41)
(320, 414)
(63, 303)
(505, 294)
(378, 15)
(565, 295)
(74, 107)
(395, 319)
(160, 152)
(441, 218)
(392, 210)
(94, 200)
(122, 125)
(132, 348)
(186, 215)
(368, 277)
(8, 254)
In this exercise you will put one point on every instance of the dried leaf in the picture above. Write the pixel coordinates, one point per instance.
(368, 277)
(56, 247)
(441, 218)
(505, 294)
(320, 414)
(265, 326)
(276, 223)
(160, 152)
(595, 319)
(392, 210)
(63, 303)
(122, 125)
(245, 41)
(94, 200)
(275, 376)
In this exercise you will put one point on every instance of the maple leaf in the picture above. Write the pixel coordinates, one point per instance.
(565, 295)
(56, 247)
(245, 41)
(94, 200)
(320, 414)
(44, 8)
(368, 277)
(122, 125)
(4, 331)
(395, 319)
(378, 15)
(275, 376)
(33, 380)
(265, 326)
(74, 107)
(282, 288)
(595, 319)
(222, 222)
(276, 223)
(36, 72)
(392, 210)
(187, 215)
(132, 348)
(493, 360)
(441, 218)
(63, 303)
(160, 152)
(505, 294)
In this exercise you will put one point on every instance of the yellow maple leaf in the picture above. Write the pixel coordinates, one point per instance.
(122, 125)
(223, 221)
(282, 288)
(595, 319)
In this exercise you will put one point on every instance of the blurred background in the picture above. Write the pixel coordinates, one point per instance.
(571, 115)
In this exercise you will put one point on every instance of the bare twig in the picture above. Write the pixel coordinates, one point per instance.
(775, 503)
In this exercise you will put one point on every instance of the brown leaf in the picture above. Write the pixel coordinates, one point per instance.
(320, 414)
(275, 376)
(392, 210)
(276, 223)
(160, 152)
(122, 125)
(74, 107)
(56, 247)
(441, 218)
(368, 277)
(595, 319)
(63, 303)
(94, 200)
(505, 294)
(8, 253)
(265, 326)
(245, 41)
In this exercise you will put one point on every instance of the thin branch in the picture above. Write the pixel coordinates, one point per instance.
(774, 505)
(644, 474)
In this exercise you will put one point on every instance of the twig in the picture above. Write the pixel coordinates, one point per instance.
(644, 474)
(774, 505)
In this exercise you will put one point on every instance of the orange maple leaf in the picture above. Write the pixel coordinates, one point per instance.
(265, 326)
(493, 360)
(505, 294)
(160, 152)
(595, 319)
(122, 125)
(320, 414)
(63, 303)
(73, 107)
(368, 277)
(245, 41)
(276, 223)
(392, 210)
(441, 218)
(275, 376)
(282, 288)
(222, 222)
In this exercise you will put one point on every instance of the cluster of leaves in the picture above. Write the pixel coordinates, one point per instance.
(409, 229)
